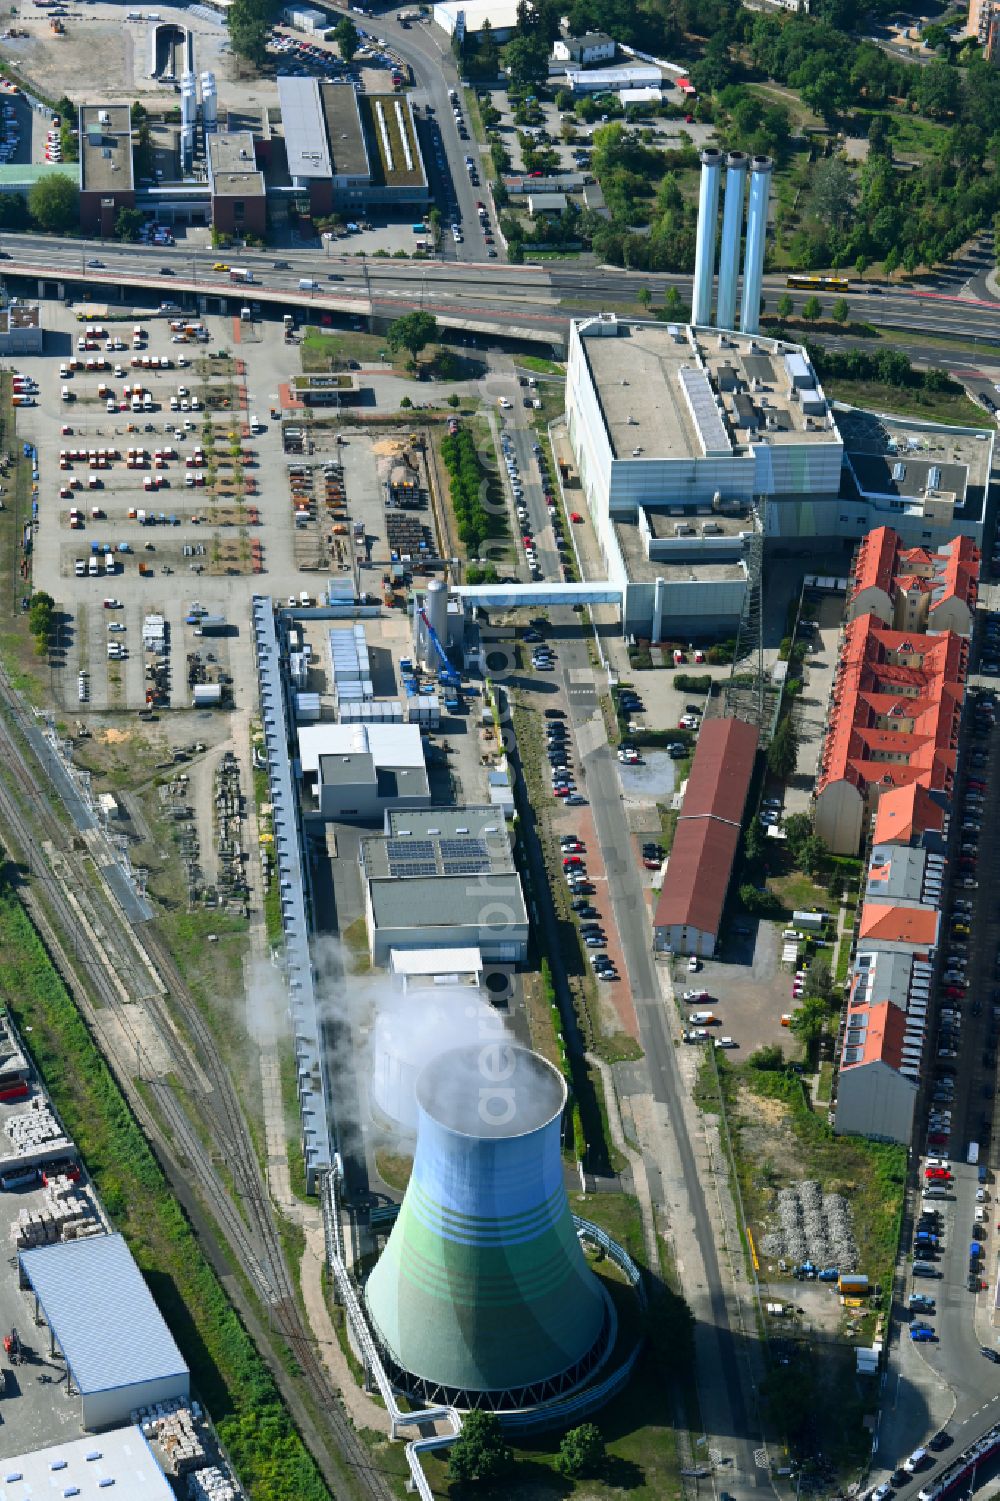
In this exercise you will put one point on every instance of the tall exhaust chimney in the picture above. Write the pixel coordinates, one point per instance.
(732, 229)
(753, 265)
(704, 257)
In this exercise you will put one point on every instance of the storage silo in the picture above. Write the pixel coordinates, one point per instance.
(482, 1296)
(209, 103)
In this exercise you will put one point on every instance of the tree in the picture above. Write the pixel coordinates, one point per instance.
(128, 222)
(938, 89)
(861, 266)
(345, 34)
(479, 1452)
(809, 1019)
(840, 312)
(831, 191)
(54, 203)
(581, 1452)
(783, 750)
(798, 828)
(526, 59)
(249, 29)
(784, 306)
(753, 842)
(412, 332)
(811, 309)
(812, 855)
(643, 297)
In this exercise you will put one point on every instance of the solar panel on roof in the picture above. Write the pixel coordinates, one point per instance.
(411, 868)
(701, 398)
(409, 849)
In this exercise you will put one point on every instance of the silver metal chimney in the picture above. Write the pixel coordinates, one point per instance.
(732, 229)
(708, 214)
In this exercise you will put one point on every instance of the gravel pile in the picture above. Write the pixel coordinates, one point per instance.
(812, 1227)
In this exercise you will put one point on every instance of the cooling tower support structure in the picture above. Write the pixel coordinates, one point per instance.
(753, 265)
(704, 255)
(732, 229)
(482, 1296)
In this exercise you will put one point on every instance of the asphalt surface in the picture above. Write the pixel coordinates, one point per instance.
(726, 1412)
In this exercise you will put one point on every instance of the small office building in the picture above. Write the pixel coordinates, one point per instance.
(106, 179)
(236, 184)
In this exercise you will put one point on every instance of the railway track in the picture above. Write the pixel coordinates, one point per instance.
(252, 1234)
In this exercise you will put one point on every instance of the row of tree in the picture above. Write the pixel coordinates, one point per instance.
(468, 489)
(482, 1454)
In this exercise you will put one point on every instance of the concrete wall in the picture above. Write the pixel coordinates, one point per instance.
(839, 815)
(510, 948)
(875, 1100)
(685, 940)
(110, 1408)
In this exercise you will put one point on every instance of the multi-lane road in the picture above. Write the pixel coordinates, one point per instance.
(504, 298)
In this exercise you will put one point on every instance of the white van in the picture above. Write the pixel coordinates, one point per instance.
(307, 284)
(916, 1459)
(255, 426)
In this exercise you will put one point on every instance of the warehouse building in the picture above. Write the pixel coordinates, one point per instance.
(121, 1463)
(462, 18)
(610, 80)
(106, 178)
(236, 184)
(119, 1353)
(350, 150)
(689, 910)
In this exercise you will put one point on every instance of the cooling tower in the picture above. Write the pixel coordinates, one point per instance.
(704, 255)
(753, 264)
(732, 227)
(482, 1296)
(410, 1031)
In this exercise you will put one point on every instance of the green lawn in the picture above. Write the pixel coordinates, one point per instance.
(933, 406)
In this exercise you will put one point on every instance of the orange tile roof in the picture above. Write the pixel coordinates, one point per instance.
(894, 924)
(949, 572)
(875, 565)
(883, 1042)
(904, 812)
(874, 685)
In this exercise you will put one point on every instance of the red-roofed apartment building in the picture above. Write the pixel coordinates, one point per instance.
(912, 589)
(894, 720)
(875, 1097)
(689, 910)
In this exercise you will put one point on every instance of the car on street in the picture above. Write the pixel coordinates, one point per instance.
(922, 1336)
(993, 1355)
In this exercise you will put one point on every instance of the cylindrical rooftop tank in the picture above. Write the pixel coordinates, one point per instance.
(753, 264)
(437, 608)
(732, 228)
(704, 255)
(482, 1294)
(412, 1030)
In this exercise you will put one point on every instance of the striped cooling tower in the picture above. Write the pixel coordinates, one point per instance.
(482, 1295)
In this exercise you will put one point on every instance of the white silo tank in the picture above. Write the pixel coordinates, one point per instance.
(413, 1029)
(209, 102)
(437, 608)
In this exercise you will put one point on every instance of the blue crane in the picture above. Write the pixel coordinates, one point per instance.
(447, 674)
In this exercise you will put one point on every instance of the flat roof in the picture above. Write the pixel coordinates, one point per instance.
(397, 745)
(19, 315)
(674, 391)
(694, 565)
(895, 456)
(119, 1459)
(501, 14)
(303, 120)
(393, 153)
(453, 1087)
(344, 134)
(895, 874)
(465, 961)
(448, 822)
(102, 1314)
(426, 855)
(494, 903)
(232, 166)
(25, 174)
(105, 148)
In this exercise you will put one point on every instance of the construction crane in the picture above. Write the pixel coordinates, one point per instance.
(447, 675)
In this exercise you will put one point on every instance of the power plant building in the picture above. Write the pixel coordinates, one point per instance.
(482, 1296)
(359, 770)
(444, 878)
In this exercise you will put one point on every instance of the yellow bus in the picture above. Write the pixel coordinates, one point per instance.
(818, 283)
